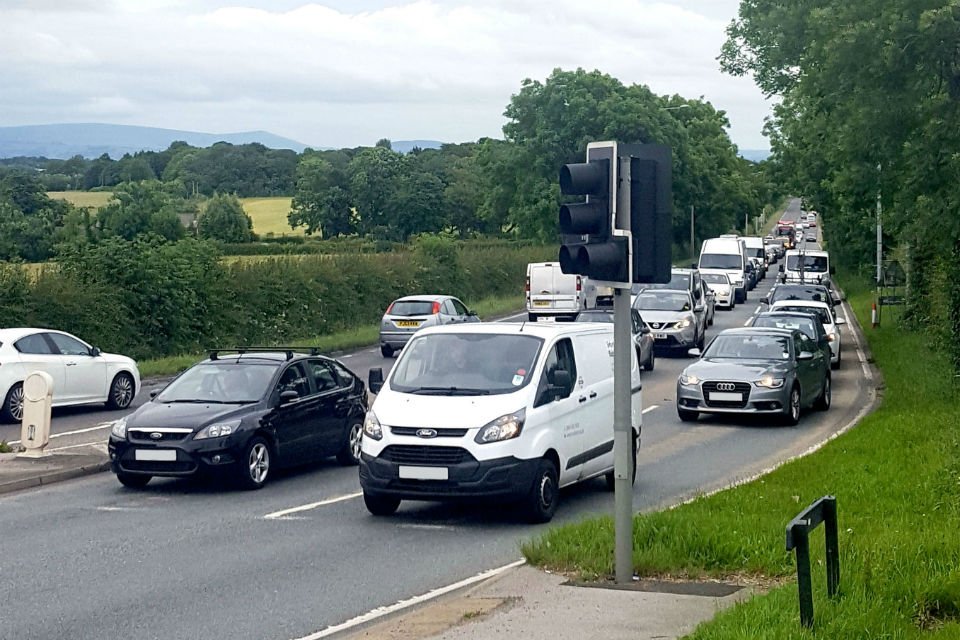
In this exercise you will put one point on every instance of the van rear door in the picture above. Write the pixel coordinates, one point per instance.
(552, 291)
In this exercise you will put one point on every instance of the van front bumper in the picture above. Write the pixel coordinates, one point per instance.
(504, 478)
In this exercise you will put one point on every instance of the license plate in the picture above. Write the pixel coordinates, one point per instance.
(155, 455)
(541, 303)
(408, 323)
(424, 473)
(720, 396)
(660, 336)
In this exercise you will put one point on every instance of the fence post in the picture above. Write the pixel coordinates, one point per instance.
(798, 538)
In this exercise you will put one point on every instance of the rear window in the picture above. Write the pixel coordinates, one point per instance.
(800, 324)
(679, 281)
(721, 261)
(822, 313)
(411, 308)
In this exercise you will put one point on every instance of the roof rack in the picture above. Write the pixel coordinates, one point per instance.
(289, 351)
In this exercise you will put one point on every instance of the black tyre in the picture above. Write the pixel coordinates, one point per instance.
(791, 413)
(12, 410)
(648, 365)
(541, 502)
(350, 453)
(531, 317)
(122, 391)
(611, 479)
(823, 402)
(686, 415)
(836, 365)
(253, 469)
(386, 350)
(380, 505)
(133, 480)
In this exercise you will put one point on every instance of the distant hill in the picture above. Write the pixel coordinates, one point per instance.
(406, 146)
(93, 140)
(755, 155)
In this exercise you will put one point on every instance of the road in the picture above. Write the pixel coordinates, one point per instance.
(88, 558)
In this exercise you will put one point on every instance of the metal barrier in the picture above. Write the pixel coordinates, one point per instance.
(798, 532)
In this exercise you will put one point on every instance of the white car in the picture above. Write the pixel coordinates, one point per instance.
(719, 283)
(827, 316)
(81, 373)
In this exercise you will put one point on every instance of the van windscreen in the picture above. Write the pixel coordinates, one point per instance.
(721, 261)
(813, 264)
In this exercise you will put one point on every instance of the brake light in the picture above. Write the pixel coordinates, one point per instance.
(578, 283)
(528, 284)
(390, 308)
(436, 308)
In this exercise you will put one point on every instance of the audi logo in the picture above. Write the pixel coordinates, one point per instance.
(726, 386)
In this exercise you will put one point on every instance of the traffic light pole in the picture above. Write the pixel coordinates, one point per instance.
(623, 446)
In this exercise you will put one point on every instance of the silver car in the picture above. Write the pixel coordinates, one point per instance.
(672, 316)
(754, 370)
(405, 316)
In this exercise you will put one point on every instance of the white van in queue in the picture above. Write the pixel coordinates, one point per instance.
(806, 267)
(502, 412)
(726, 255)
(551, 293)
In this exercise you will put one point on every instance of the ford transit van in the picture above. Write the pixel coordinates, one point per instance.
(726, 255)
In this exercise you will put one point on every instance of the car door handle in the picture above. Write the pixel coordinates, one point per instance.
(593, 394)
(71, 364)
(583, 398)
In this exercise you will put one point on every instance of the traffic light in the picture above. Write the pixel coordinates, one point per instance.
(650, 206)
(589, 245)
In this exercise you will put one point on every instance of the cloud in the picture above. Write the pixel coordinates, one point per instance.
(427, 68)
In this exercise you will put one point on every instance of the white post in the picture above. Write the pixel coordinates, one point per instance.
(622, 438)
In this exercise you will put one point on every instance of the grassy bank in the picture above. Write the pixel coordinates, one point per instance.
(341, 340)
(897, 481)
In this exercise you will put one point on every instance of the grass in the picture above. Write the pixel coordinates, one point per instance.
(4, 447)
(93, 199)
(269, 215)
(897, 481)
(362, 336)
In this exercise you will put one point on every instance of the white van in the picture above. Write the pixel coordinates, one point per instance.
(552, 293)
(756, 253)
(726, 255)
(504, 412)
(807, 267)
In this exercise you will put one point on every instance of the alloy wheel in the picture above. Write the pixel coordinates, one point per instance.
(356, 437)
(795, 405)
(259, 462)
(123, 391)
(16, 403)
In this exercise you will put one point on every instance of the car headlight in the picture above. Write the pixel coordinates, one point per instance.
(683, 324)
(831, 337)
(688, 381)
(503, 428)
(119, 429)
(769, 382)
(217, 430)
(371, 427)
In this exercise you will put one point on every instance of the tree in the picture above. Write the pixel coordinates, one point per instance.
(321, 202)
(140, 207)
(224, 219)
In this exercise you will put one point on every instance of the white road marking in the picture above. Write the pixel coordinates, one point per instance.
(102, 425)
(404, 604)
(97, 445)
(747, 323)
(651, 408)
(757, 310)
(119, 509)
(860, 354)
(349, 355)
(312, 505)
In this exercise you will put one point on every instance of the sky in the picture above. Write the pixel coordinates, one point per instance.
(345, 73)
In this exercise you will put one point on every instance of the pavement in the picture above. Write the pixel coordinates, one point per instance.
(17, 472)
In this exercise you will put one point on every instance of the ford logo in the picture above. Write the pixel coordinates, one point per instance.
(726, 386)
(156, 435)
(427, 433)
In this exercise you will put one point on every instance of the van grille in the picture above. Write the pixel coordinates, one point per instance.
(425, 455)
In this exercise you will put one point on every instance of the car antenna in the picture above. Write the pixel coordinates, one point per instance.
(522, 325)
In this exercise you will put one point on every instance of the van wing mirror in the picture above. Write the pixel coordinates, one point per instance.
(561, 379)
(375, 380)
(94, 351)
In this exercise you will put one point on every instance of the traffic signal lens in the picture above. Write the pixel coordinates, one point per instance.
(585, 178)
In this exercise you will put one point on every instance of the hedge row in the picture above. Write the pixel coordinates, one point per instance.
(300, 245)
(148, 298)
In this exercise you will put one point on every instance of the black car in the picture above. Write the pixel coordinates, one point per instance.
(807, 323)
(817, 292)
(243, 412)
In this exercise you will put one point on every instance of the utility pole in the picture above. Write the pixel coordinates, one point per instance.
(879, 242)
(693, 249)
(746, 223)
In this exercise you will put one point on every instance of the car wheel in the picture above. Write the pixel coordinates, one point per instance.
(541, 502)
(380, 505)
(133, 480)
(686, 415)
(386, 350)
(611, 479)
(823, 402)
(121, 391)
(836, 365)
(791, 414)
(350, 453)
(648, 365)
(702, 340)
(12, 410)
(531, 317)
(254, 468)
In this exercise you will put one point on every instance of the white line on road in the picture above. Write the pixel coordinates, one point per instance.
(379, 612)
(98, 445)
(102, 425)
(757, 310)
(747, 323)
(856, 338)
(651, 408)
(312, 505)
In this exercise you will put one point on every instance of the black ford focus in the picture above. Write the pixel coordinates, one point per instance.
(244, 413)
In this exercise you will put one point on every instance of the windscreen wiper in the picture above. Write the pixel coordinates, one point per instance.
(195, 401)
(451, 391)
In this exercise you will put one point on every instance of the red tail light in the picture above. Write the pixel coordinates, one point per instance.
(578, 283)
(436, 308)
(528, 284)
(390, 308)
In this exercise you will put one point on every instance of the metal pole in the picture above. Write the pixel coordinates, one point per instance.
(804, 585)
(746, 223)
(622, 438)
(693, 249)
(879, 236)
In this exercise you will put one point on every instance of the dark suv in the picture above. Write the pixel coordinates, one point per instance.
(244, 412)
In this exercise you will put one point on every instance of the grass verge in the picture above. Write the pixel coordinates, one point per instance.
(897, 481)
(347, 339)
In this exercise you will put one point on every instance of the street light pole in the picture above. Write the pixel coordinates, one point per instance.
(693, 249)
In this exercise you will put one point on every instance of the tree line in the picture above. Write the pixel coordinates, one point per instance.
(870, 108)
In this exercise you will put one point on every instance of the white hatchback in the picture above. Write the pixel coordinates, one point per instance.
(827, 316)
(81, 373)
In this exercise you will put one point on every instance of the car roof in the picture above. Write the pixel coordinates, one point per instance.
(279, 356)
(423, 298)
(544, 330)
(800, 303)
(756, 331)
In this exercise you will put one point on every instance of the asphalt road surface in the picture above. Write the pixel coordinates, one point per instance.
(89, 558)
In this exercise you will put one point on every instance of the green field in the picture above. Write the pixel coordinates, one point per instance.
(83, 198)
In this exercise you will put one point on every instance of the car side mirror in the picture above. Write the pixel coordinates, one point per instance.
(833, 270)
(471, 313)
(765, 299)
(805, 355)
(375, 380)
(781, 268)
(94, 351)
(694, 265)
(840, 321)
(287, 396)
(154, 393)
(695, 353)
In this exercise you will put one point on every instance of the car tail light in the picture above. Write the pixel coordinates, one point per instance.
(436, 308)
(831, 337)
(578, 283)
(528, 284)
(390, 308)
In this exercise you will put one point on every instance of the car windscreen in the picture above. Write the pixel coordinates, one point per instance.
(229, 382)
(804, 325)
(595, 316)
(785, 231)
(715, 278)
(813, 264)
(822, 313)
(411, 308)
(796, 292)
(466, 364)
(755, 252)
(662, 301)
(721, 261)
(749, 347)
(678, 282)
